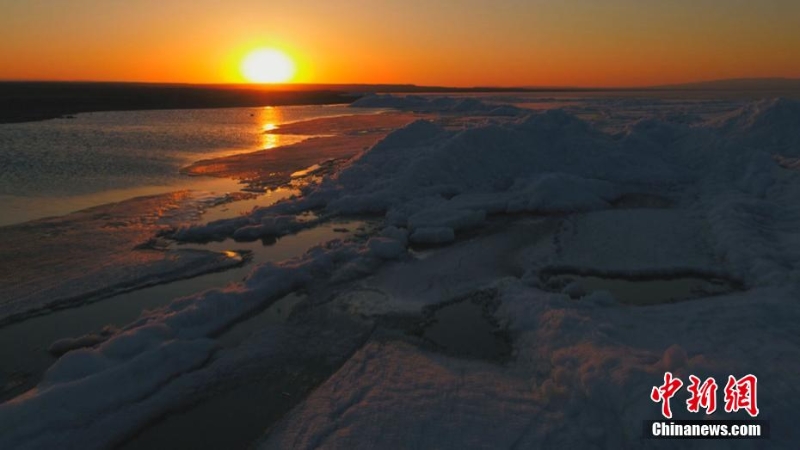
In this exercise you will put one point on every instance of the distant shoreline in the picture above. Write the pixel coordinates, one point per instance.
(30, 101)
(35, 101)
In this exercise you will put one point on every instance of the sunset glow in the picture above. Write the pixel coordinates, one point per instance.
(448, 43)
(268, 66)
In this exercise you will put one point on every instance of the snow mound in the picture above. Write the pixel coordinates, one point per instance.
(386, 248)
(768, 124)
(446, 218)
(433, 235)
(561, 193)
(437, 182)
(86, 385)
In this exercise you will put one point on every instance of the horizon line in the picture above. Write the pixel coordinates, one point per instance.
(417, 86)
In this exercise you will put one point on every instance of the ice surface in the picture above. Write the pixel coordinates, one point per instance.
(768, 125)
(622, 241)
(436, 104)
(98, 252)
(161, 345)
(580, 378)
(581, 370)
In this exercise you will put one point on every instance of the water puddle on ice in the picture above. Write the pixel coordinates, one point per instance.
(242, 206)
(23, 362)
(641, 291)
(466, 328)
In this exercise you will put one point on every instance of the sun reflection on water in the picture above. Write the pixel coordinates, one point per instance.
(270, 118)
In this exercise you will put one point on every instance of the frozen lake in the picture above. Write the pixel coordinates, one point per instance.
(57, 166)
(525, 266)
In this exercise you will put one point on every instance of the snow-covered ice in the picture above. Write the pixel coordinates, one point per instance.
(697, 191)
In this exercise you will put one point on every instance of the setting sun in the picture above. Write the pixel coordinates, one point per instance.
(268, 66)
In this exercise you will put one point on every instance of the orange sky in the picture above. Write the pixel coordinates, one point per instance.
(428, 42)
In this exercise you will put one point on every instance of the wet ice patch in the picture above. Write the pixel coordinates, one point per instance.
(466, 327)
(64, 345)
(628, 241)
(240, 203)
(639, 291)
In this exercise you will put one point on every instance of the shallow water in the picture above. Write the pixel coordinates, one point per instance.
(242, 207)
(57, 166)
(463, 328)
(25, 357)
(643, 291)
(466, 327)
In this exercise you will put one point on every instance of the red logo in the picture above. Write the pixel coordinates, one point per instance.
(703, 396)
(739, 394)
(665, 392)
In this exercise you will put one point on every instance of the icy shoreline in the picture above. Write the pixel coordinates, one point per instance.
(110, 248)
(98, 253)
